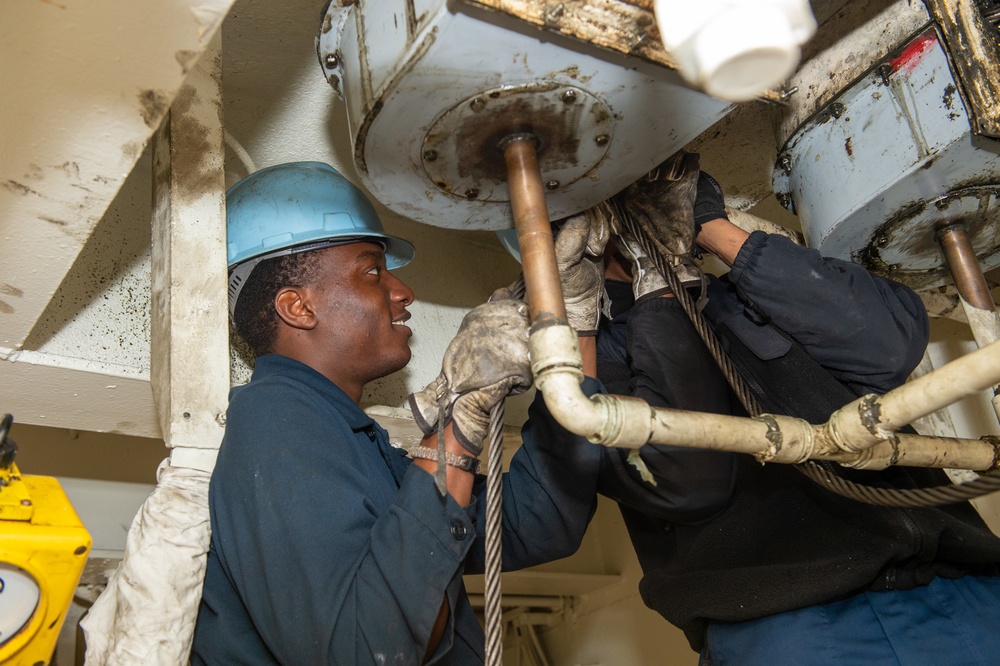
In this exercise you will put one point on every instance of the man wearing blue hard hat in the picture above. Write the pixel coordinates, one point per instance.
(329, 545)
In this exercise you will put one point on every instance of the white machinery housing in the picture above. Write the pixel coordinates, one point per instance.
(427, 104)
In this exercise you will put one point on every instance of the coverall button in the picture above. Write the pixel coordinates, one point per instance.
(458, 531)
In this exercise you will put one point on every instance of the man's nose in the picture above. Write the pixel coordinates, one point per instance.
(399, 292)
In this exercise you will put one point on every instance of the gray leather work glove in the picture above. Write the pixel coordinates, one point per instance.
(662, 202)
(647, 282)
(485, 362)
(579, 249)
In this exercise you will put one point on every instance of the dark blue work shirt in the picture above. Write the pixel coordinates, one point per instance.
(330, 547)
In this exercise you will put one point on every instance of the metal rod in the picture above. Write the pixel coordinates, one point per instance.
(927, 451)
(964, 266)
(870, 419)
(630, 422)
(521, 601)
(973, 291)
(534, 231)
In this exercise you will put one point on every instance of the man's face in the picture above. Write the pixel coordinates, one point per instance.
(361, 308)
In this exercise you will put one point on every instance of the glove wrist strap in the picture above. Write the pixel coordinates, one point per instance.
(465, 463)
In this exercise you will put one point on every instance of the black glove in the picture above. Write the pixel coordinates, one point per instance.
(485, 362)
(708, 202)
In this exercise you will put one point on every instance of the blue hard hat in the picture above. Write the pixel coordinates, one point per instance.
(297, 207)
(508, 238)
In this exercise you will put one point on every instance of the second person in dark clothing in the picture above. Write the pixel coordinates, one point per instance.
(756, 563)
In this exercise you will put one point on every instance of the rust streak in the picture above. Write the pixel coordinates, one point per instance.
(153, 104)
(18, 188)
(186, 59)
(194, 166)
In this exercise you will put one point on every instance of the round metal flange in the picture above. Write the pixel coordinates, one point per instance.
(461, 154)
(906, 249)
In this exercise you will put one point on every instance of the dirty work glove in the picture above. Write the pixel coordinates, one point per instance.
(662, 203)
(708, 203)
(579, 256)
(485, 362)
(647, 282)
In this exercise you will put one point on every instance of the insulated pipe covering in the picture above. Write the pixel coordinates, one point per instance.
(627, 422)
(870, 419)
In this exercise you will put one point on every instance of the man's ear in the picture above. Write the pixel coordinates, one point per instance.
(294, 306)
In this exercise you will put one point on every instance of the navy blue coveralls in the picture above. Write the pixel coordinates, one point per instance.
(330, 547)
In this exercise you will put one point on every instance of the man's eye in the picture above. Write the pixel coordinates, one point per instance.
(375, 270)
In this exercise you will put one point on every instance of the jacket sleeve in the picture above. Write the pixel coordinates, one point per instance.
(549, 494)
(866, 330)
(671, 367)
(332, 562)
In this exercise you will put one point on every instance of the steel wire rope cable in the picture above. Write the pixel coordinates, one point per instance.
(819, 474)
(494, 475)
(494, 514)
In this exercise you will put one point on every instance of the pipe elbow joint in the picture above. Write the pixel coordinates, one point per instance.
(602, 419)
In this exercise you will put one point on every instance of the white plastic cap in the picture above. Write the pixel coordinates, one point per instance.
(740, 49)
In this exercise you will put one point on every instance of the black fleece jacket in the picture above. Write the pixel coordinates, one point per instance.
(724, 538)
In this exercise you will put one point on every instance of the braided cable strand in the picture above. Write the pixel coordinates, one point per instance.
(494, 513)
(494, 476)
(933, 496)
(687, 303)
(937, 495)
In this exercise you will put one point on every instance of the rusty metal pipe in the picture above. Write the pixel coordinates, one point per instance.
(964, 266)
(534, 231)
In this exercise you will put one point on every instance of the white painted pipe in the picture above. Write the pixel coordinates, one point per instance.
(750, 223)
(735, 49)
(861, 434)
(870, 419)
(928, 451)
(985, 327)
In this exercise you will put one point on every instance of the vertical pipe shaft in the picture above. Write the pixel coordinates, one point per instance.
(534, 231)
(964, 266)
(974, 293)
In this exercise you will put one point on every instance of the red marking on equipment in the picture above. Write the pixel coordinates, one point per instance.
(914, 52)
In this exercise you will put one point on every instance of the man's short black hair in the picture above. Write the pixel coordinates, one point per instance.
(254, 317)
